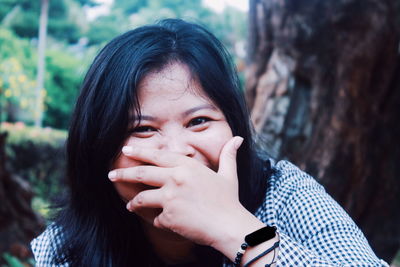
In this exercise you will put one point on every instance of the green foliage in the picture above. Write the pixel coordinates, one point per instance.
(18, 81)
(25, 22)
(12, 261)
(7, 6)
(181, 8)
(41, 205)
(61, 21)
(104, 28)
(18, 90)
(66, 21)
(37, 155)
(229, 26)
(130, 6)
(396, 260)
(145, 12)
(12, 46)
(64, 75)
(90, 3)
(65, 63)
(61, 30)
(17, 85)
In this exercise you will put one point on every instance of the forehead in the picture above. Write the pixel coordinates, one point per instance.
(172, 81)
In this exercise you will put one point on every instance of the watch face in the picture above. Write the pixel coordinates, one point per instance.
(260, 236)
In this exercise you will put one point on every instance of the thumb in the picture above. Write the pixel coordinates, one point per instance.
(227, 158)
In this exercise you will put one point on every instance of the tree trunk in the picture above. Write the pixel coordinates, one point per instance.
(41, 67)
(19, 224)
(323, 84)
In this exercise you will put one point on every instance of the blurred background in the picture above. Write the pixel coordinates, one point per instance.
(322, 80)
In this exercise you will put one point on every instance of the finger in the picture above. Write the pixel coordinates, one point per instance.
(151, 198)
(227, 158)
(149, 175)
(161, 158)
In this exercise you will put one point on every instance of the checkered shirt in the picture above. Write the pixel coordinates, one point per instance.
(314, 230)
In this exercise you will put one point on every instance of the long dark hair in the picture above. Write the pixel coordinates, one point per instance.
(97, 228)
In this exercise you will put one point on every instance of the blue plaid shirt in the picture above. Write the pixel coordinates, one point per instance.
(314, 230)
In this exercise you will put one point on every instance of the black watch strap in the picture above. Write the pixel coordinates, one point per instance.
(261, 235)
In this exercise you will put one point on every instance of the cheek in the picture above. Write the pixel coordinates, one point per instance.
(127, 191)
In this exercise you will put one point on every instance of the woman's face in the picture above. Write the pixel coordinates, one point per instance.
(176, 115)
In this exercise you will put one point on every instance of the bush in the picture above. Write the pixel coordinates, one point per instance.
(64, 75)
(37, 155)
(17, 78)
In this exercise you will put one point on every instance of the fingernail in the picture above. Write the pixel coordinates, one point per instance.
(127, 150)
(139, 199)
(238, 142)
(112, 175)
(128, 206)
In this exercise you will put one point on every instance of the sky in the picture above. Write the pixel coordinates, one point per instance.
(216, 5)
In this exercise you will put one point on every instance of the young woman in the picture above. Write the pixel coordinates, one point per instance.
(163, 169)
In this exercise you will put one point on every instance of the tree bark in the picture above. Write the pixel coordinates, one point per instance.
(323, 84)
(19, 224)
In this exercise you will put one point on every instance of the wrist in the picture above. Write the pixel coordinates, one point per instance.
(262, 254)
(252, 242)
(232, 234)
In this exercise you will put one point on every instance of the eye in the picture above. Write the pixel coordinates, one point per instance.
(198, 121)
(143, 131)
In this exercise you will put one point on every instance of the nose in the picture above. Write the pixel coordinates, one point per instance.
(177, 143)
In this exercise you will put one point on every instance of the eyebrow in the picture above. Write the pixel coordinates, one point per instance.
(193, 110)
(186, 113)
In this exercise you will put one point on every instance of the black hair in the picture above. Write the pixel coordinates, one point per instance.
(97, 228)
